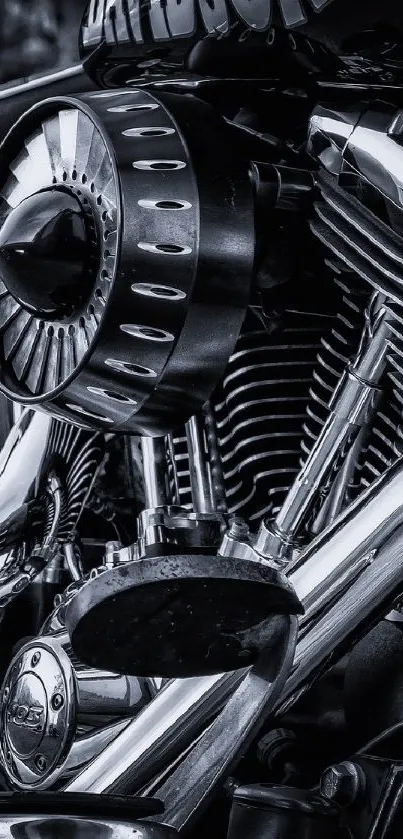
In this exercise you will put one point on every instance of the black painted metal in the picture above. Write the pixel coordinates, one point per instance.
(44, 253)
(262, 810)
(179, 615)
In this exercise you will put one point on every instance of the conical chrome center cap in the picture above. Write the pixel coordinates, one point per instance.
(44, 253)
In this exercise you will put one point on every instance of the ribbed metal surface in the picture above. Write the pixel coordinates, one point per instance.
(77, 455)
(66, 150)
(369, 247)
(261, 409)
(363, 242)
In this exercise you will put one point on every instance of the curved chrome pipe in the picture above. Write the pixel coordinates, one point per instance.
(21, 462)
(157, 735)
(346, 576)
(340, 554)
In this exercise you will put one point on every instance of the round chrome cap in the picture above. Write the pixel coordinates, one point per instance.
(37, 715)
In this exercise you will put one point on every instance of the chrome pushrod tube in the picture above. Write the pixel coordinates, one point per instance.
(157, 735)
(154, 470)
(352, 403)
(202, 495)
(348, 553)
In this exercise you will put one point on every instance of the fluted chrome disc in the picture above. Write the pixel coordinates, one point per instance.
(67, 157)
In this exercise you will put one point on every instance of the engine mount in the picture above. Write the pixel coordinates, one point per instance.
(126, 255)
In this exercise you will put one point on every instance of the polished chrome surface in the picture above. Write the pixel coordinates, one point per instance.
(75, 827)
(158, 734)
(374, 150)
(200, 478)
(65, 153)
(336, 563)
(156, 489)
(336, 557)
(73, 561)
(19, 568)
(373, 583)
(7, 91)
(21, 461)
(329, 132)
(352, 403)
(343, 579)
(172, 525)
(47, 697)
(189, 789)
(38, 710)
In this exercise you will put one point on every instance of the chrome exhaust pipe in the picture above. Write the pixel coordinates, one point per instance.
(160, 732)
(21, 463)
(346, 578)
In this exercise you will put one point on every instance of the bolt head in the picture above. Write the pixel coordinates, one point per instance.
(238, 529)
(341, 783)
(57, 701)
(40, 762)
(35, 659)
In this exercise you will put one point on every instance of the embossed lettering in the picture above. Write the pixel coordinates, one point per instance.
(255, 13)
(215, 17)
(120, 21)
(92, 30)
(292, 12)
(25, 715)
(158, 22)
(115, 27)
(133, 15)
(181, 17)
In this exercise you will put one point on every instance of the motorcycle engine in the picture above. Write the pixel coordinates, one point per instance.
(209, 272)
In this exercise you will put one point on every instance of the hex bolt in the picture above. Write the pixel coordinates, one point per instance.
(35, 659)
(40, 762)
(57, 701)
(276, 746)
(238, 529)
(342, 783)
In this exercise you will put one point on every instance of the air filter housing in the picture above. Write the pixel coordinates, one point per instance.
(126, 255)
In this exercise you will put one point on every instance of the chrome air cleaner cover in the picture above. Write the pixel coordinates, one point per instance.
(126, 255)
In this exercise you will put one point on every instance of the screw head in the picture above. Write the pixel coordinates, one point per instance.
(35, 659)
(57, 701)
(342, 783)
(40, 762)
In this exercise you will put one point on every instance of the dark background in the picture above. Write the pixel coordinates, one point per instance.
(38, 36)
